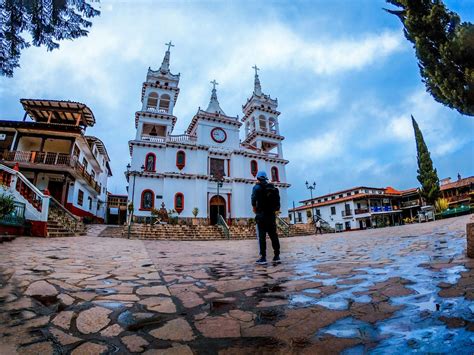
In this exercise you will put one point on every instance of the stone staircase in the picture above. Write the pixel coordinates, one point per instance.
(185, 232)
(172, 232)
(62, 223)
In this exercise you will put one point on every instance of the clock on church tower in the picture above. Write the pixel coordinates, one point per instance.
(218, 135)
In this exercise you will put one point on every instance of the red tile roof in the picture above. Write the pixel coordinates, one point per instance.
(456, 184)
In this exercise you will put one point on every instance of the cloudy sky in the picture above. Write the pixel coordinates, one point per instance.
(346, 80)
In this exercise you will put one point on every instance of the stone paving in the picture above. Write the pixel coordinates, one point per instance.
(392, 290)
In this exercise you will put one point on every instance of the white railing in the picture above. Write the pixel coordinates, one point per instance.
(180, 138)
(153, 139)
(157, 110)
(16, 184)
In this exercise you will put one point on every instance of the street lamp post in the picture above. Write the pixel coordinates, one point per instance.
(134, 172)
(219, 180)
(311, 187)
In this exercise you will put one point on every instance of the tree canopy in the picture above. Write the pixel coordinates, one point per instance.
(427, 175)
(445, 50)
(39, 23)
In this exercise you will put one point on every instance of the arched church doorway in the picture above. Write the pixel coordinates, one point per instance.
(216, 207)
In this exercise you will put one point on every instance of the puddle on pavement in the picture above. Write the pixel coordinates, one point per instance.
(302, 300)
(416, 327)
(111, 305)
(126, 318)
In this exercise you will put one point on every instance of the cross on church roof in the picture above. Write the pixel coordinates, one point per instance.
(170, 44)
(214, 83)
(256, 68)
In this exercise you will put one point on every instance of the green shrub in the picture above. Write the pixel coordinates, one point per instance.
(7, 205)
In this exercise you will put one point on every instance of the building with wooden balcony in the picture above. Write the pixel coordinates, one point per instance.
(459, 192)
(52, 151)
(356, 208)
(116, 209)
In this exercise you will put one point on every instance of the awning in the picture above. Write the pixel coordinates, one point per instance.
(59, 112)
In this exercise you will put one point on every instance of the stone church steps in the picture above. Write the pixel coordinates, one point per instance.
(185, 232)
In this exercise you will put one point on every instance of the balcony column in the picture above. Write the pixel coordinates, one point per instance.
(280, 150)
(14, 141)
(139, 131)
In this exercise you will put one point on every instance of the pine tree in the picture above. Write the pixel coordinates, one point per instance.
(445, 50)
(427, 176)
(46, 21)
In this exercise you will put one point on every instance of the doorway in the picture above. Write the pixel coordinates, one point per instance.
(56, 190)
(216, 207)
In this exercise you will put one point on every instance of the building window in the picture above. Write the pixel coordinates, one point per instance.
(80, 197)
(179, 202)
(85, 163)
(254, 167)
(147, 200)
(150, 161)
(90, 203)
(333, 210)
(217, 168)
(318, 213)
(262, 122)
(75, 151)
(180, 159)
(164, 103)
(274, 172)
(152, 100)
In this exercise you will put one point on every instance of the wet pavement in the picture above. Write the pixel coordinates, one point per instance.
(394, 290)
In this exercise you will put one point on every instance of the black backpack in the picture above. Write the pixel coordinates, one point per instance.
(270, 198)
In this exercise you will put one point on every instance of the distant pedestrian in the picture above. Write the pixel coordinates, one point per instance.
(318, 227)
(265, 203)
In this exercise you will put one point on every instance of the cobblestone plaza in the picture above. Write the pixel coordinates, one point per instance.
(390, 290)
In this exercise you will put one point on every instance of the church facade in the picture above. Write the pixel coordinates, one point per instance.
(209, 167)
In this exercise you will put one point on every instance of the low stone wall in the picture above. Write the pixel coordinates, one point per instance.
(470, 239)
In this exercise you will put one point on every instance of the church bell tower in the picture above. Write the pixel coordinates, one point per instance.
(159, 94)
(261, 121)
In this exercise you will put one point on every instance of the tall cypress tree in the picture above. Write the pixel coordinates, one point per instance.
(427, 176)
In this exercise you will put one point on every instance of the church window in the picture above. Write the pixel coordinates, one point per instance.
(253, 167)
(180, 159)
(217, 168)
(150, 162)
(275, 176)
(152, 100)
(179, 202)
(262, 123)
(146, 202)
(164, 103)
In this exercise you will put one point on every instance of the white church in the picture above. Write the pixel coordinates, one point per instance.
(210, 166)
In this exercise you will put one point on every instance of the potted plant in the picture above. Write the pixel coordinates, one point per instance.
(195, 212)
(7, 205)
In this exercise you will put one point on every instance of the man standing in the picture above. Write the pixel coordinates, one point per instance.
(318, 227)
(265, 202)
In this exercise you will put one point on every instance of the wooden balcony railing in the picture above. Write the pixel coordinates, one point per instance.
(51, 158)
(361, 210)
(413, 203)
(457, 198)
